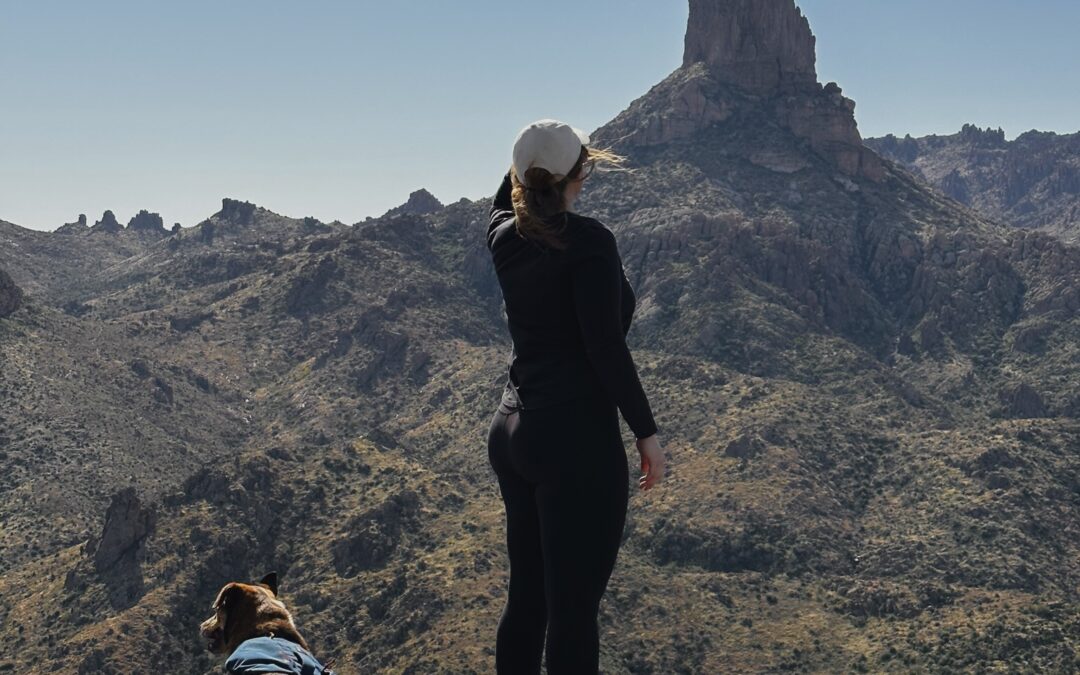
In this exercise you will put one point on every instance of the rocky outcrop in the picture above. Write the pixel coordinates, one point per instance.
(826, 118)
(307, 289)
(127, 524)
(234, 211)
(107, 223)
(752, 60)
(10, 295)
(762, 46)
(117, 553)
(421, 201)
(1020, 400)
(78, 227)
(144, 221)
(746, 446)
(687, 101)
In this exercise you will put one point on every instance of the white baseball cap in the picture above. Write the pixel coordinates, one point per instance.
(548, 144)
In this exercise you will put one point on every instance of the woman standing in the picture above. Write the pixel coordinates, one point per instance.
(555, 442)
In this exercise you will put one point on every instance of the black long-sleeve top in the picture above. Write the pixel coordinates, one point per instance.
(568, 312)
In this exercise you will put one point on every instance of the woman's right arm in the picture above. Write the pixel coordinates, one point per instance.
(501, 206)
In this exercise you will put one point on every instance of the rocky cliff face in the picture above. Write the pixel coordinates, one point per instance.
(762, 46)
(236, 211)
(751, 59)
(1031, 182)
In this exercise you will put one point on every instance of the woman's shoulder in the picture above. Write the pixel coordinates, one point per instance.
(591, 234)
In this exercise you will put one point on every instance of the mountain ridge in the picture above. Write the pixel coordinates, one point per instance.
(1031, 182)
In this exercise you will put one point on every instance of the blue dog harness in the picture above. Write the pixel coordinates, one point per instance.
(274, 655)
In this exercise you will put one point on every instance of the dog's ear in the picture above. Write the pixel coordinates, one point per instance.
(270, 581)
(227, 596)
(229, 600)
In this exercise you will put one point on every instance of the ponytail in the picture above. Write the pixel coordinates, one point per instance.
(539, 204)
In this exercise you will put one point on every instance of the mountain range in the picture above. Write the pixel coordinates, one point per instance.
(1032, 181)
(866, 388)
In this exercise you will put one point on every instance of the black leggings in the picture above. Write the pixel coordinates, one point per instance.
(564, 479)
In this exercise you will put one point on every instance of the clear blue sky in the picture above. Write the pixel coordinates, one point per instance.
(339, 109)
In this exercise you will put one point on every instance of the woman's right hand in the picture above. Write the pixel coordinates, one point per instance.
(652, 461)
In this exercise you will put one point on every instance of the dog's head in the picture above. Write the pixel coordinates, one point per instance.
(243, 611)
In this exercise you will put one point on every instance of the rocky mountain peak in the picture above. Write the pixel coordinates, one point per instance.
(988, 136)
(758, 45)
(747, 62)
(108, 223)
(420, 201)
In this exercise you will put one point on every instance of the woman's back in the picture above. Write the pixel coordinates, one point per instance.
(568, 312)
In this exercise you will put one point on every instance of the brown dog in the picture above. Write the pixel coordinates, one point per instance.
(256, 631)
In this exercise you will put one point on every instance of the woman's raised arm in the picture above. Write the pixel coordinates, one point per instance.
(501, 206)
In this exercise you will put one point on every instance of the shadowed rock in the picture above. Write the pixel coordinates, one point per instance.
(117, 553)
(306, 292)
(1021, 400)
(144, 221)
(421, 201)
(10, 295)
(234, 211)
(107, 223)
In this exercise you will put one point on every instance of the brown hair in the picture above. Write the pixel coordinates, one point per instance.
(538, 204)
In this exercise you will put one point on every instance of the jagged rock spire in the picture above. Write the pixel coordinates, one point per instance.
(758, 45)
(108, 223)
(737, 47)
